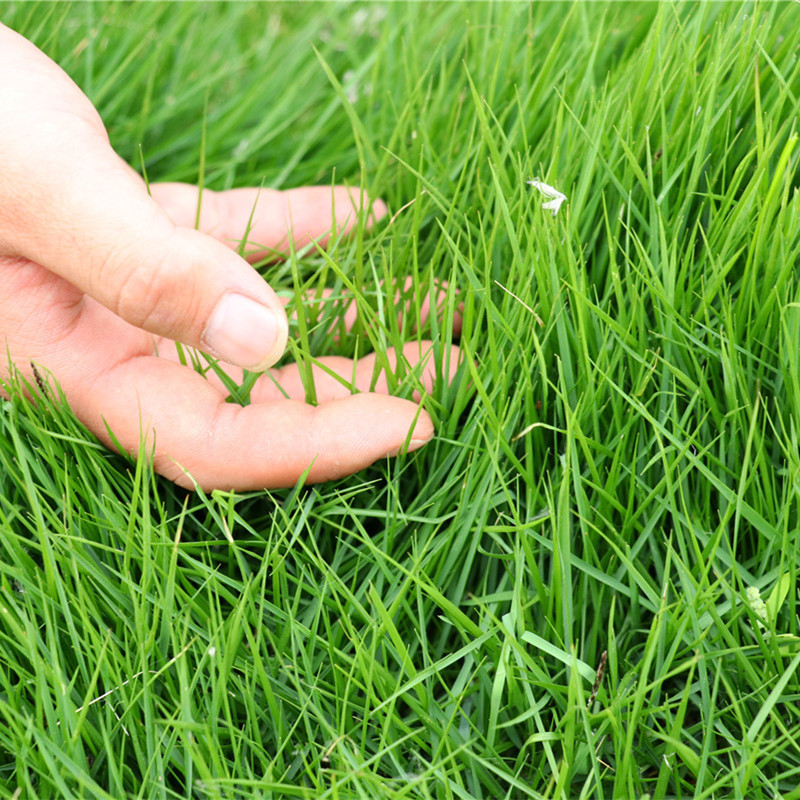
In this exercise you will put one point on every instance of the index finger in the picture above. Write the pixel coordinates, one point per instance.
(302, 215)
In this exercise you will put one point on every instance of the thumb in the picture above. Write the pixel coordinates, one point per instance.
(73, 206)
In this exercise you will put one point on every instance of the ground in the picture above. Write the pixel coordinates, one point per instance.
(586, 585)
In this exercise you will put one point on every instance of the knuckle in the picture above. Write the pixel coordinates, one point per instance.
(157, 296)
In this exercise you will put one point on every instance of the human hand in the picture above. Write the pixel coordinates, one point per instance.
(100, 279)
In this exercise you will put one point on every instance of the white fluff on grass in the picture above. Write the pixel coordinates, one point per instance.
(554, 197)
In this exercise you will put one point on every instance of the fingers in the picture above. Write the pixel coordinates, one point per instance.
(72, 205)
(196, 436)
(368, 374)
(304, 214)
(308, 213)
(336, 377)
(406, 306)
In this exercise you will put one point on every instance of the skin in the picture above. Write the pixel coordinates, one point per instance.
(99, 279)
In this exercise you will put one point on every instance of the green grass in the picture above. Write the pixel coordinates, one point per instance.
(620, 472)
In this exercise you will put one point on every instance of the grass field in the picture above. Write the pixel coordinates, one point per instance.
(616, 471)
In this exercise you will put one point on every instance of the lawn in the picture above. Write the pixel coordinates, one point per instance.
(586, 586)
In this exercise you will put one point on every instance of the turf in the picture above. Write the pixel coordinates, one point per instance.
(614, 483)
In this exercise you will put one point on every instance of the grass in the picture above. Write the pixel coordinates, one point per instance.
(619, 475)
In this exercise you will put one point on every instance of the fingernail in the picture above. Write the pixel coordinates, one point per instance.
(414, 444)
(244, 332)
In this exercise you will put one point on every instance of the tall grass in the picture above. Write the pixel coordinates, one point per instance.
(615, 472)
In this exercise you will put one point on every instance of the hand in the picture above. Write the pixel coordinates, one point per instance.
(99, 280)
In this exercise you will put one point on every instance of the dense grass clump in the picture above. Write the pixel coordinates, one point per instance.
(586, 585)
